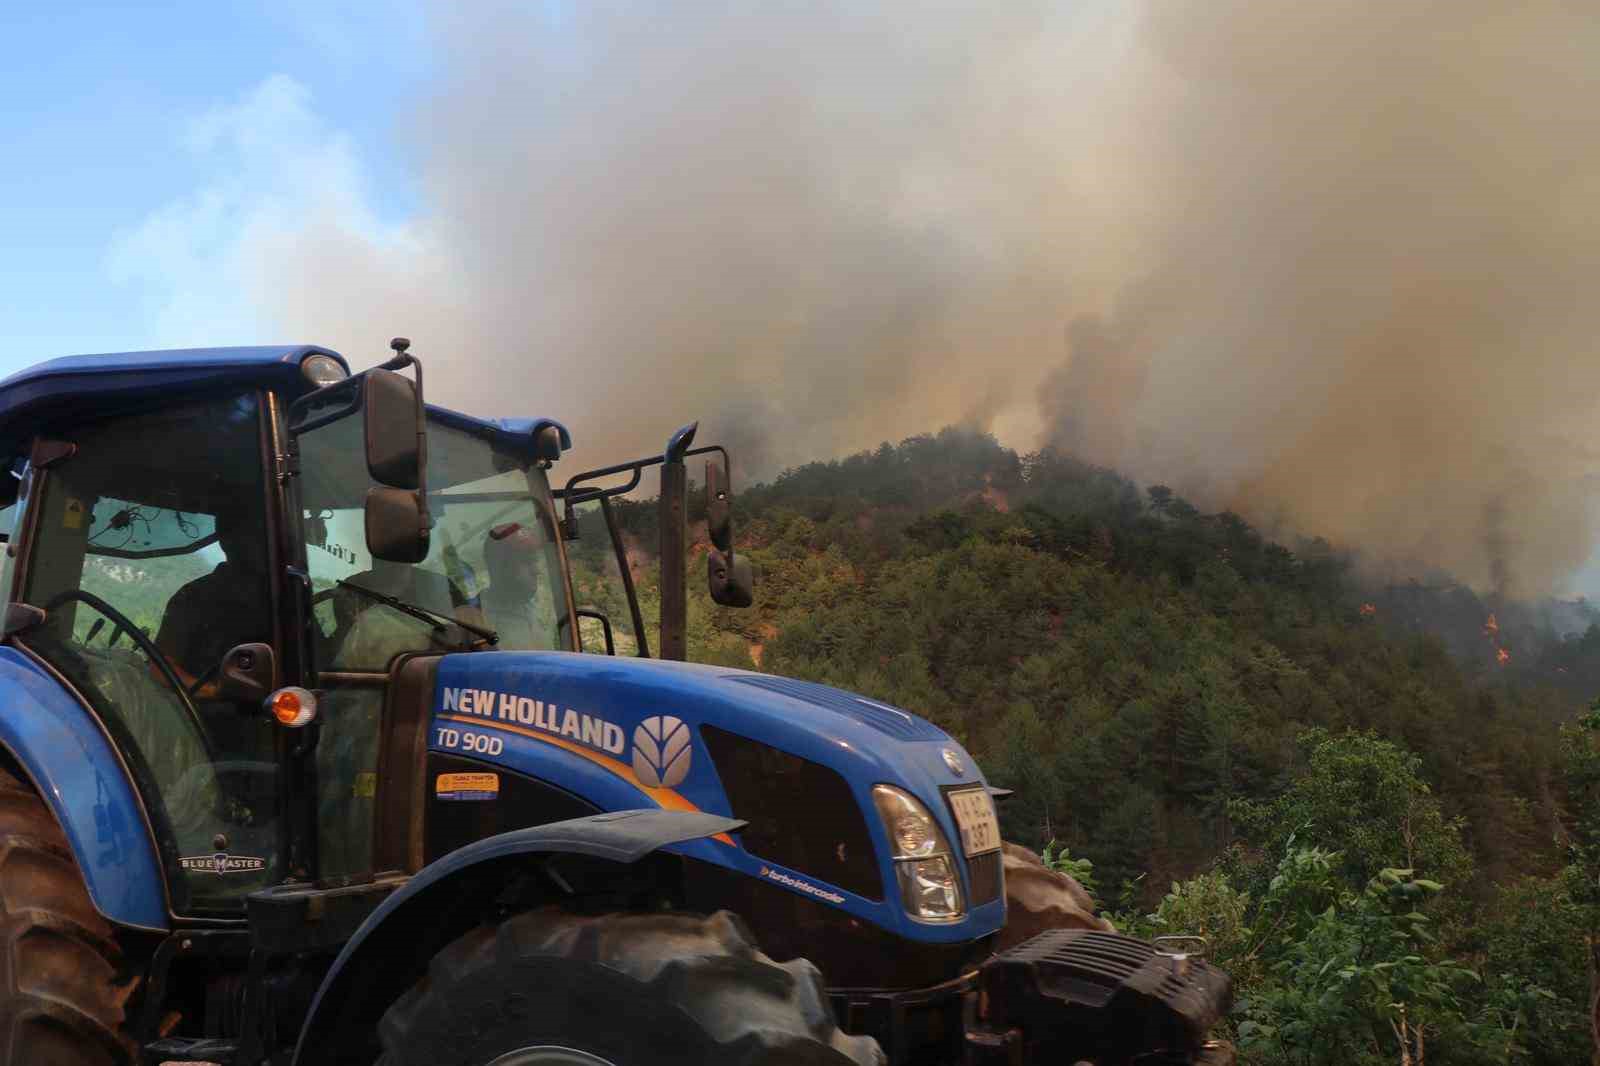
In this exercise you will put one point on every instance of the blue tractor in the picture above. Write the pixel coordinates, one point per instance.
(312, 756)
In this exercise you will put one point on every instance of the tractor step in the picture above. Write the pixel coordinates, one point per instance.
(175, 1049)
(1096, 995)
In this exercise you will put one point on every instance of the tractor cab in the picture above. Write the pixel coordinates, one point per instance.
(165, 565)
(198, 535)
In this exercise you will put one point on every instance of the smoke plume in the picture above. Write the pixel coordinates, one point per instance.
(1327, 262)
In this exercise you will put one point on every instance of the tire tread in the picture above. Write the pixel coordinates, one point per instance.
(759, 1012)
(63, 987)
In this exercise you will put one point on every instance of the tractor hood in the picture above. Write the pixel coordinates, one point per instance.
(629, 733)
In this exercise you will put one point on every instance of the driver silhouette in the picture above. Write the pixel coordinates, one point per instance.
(512, 553)
(219, 610)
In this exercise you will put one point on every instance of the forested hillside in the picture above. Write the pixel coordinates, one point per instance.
(1193, 712)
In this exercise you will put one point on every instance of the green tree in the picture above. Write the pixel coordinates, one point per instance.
(1580, 749)
(1356, 980)
(1537, 935)
(1364, 798)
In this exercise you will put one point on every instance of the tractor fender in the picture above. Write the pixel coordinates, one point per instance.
(72, 765)
(392, 948)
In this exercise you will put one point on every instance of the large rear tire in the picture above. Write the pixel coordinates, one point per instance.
(63, 988)
(557, 989)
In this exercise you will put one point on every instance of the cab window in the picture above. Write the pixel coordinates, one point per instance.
(149, 559)
(493, 560)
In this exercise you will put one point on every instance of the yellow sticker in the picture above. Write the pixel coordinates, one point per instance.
(467, 786)
(72, 514)
(366, 785)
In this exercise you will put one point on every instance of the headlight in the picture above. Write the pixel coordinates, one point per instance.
(923, 861)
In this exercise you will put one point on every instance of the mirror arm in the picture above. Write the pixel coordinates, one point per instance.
(637, 467)
(674, 543)
(621, 553)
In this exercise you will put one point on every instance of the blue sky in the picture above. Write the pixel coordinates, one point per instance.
(104, 108)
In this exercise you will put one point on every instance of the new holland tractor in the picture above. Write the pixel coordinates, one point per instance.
(308, 755)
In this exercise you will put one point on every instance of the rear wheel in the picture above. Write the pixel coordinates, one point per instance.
(549, 1056)
(547, 988)
(62, 989)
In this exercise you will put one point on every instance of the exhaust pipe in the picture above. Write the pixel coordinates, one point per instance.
(674, 543)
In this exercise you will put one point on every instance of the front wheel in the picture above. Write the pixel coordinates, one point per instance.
(547, 988)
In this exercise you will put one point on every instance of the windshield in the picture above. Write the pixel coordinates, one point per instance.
(493, 564)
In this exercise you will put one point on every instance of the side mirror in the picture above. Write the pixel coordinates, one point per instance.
(395, 431)
(719, 507)
(397, 525)
(732, 583)
(392, 429)
(729, 575)
(248, 674)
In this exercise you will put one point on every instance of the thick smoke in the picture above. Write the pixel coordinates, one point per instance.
(1326, 262)
(1379, 224)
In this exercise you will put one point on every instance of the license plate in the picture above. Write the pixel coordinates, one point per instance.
(980, 829)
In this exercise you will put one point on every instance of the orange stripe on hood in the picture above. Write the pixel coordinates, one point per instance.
(665, 798)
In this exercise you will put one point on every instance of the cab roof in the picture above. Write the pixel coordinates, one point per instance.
(87, 384)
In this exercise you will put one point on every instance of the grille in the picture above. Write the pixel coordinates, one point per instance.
(983, 878)
(802, 814)
(899, 724)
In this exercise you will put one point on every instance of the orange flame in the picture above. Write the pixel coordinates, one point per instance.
(1502, 656)
(1368, 610)
(1491, 628)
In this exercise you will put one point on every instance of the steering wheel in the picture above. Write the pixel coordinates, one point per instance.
(146, 645)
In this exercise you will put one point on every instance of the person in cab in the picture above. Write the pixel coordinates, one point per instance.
(219, 610)
(512, 554)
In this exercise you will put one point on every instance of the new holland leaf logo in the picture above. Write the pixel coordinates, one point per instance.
(662, 752)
